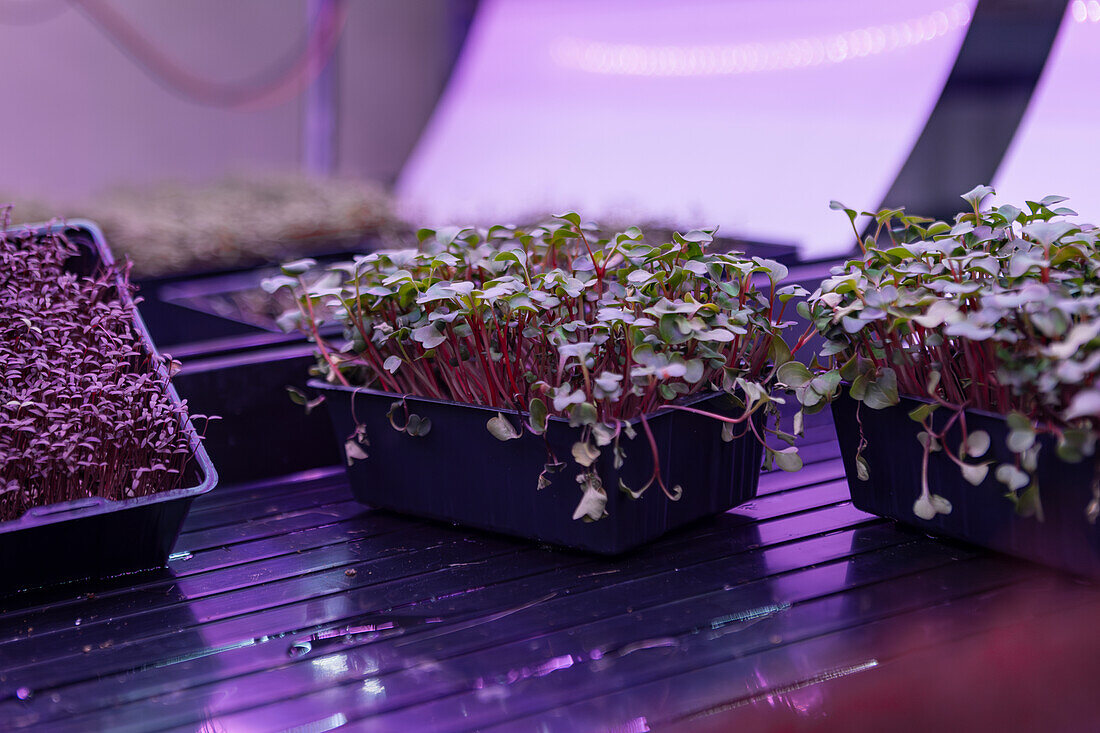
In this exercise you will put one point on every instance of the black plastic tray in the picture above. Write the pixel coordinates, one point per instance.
(179, 314)
(460, 473)
(980, 514)
(261, 433)
(97, 537)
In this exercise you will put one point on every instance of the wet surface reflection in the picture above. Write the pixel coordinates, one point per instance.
(366, 620)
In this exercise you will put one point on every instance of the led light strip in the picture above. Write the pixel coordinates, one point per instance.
(1086, 12)
(748, 58)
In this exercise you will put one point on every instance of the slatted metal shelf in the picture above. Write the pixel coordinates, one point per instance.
(287, 606)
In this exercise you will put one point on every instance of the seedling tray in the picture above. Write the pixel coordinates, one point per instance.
(460, 473)
(96, 537)
(261, 433)
(981, 514)
(194, 314)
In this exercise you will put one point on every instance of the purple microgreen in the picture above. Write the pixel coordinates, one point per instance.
(996, 311)
(84, 405)
(556, 321)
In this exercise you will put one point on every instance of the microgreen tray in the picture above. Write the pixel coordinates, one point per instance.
(96, 537)
(982, 515)
(460, 473)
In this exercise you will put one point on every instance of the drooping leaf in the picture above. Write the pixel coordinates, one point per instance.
(353, 451)
(585, 453)
(627, 490)
(537, 410)
(1011, 476)
(787, 459)
(592, 504)
(1028, 504)
(550, 468)
(929, 442)
(391, 414)
(924, 508)
(1019, 441)
(940, 504)
(863, 471)
(501, 429)
(975, 473)
(977, 443)
(418, 426)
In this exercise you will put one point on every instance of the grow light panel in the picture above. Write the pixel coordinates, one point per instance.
(1055, 148)
(751, 115)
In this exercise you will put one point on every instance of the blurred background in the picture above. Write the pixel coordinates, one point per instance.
(308, 120)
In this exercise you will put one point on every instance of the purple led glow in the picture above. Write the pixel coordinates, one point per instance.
(1055, 149)
(634, 59)
(749, 115)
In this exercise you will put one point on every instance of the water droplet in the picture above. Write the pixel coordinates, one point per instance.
(24, 693)
(76, 623)
(299, 648)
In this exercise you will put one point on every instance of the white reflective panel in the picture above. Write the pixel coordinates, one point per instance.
(750, 114)
(1057, 147)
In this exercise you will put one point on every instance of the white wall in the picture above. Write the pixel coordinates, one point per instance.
(1055, 150)
(77, 115)
(751, 115)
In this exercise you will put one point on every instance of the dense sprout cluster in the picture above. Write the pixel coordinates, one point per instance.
(555, 320)
(84, 407)
(246, 303)
(244, 220)
(999, 311)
